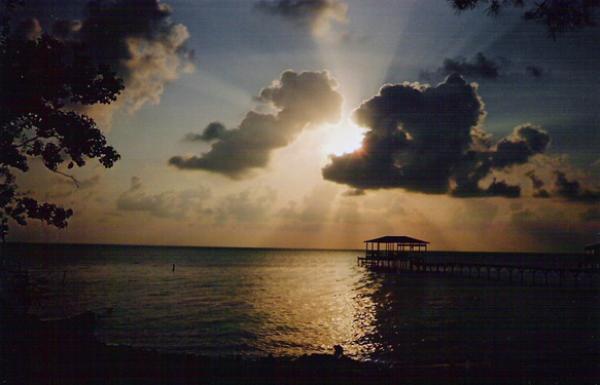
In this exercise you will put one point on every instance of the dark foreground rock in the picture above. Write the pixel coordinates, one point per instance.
(66, 352)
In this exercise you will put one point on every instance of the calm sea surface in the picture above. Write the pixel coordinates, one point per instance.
(222, 301)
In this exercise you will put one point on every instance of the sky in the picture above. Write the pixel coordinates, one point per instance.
(319, 124)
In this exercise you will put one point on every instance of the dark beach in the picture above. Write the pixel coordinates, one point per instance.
(65, 352)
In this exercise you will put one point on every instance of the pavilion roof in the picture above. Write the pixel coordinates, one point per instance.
(592, 246)
(397, 239)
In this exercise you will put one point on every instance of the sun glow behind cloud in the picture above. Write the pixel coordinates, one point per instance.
(342, 138)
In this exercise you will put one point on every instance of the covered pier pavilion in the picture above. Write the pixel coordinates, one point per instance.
(592, 257)
(393, 251)
(593, 249)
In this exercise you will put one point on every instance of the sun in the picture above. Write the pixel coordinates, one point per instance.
(342, 138)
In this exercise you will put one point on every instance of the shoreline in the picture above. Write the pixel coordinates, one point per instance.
(66, 352)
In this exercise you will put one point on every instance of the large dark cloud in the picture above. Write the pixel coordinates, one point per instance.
(301, 99)
(136, 38)
(315, 14)
(428, 139)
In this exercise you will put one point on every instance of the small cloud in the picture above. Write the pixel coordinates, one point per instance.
(28, 29)
(534, 71)
(66, 29)
(572, 190)
(213, 131)
(317, 15)
(591, 215)
(479, 67)
(538, 186)
(82, 184)
(355, 192)
(526, 141)
(67, 187)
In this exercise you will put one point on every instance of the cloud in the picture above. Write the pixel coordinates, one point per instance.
(66, 29)
(28, 29)
(526, 140)
(591, 215)
(213, 131)
(139, 40)
(538, 186)
(317, 15)
(246, 206)
(67, 187)
(355, 192)
(312, 213)
(572, 190)
(551, 228)
(429, 140)
(81, 184)
(479, 67)
(534, 71)
(136, 38)
(168, 204)
(300, 99)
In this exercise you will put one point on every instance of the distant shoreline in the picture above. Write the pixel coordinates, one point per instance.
(358, 250)
(74, 244)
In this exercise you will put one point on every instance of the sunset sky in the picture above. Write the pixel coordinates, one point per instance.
(265, 124)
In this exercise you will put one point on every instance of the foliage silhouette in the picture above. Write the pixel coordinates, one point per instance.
(558, 15)
(44, 81)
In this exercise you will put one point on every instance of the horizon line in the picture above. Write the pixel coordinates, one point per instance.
(274, 247)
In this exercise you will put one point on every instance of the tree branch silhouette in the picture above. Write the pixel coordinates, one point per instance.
(43, 79)
(559, 16)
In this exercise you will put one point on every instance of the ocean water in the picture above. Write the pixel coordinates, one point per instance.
(225, 301)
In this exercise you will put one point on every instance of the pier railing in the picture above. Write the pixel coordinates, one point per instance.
(525, 274)
(392, 254)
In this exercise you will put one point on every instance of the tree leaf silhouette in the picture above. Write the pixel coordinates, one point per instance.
(559, 16)
(42, 79)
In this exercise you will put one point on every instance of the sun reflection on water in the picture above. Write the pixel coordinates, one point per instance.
(321, 305)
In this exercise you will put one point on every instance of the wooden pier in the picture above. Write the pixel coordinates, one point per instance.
(399, 257)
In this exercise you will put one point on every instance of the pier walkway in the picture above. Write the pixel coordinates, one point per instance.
(523, 274)
(401, 254)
